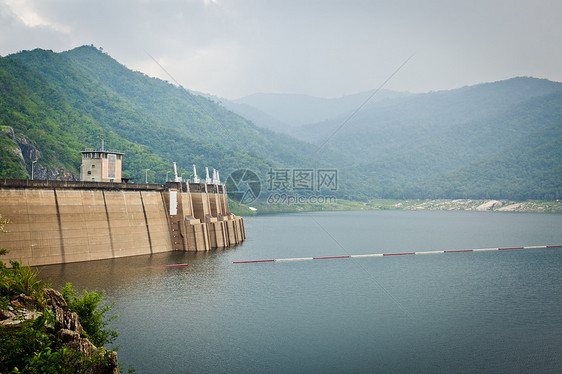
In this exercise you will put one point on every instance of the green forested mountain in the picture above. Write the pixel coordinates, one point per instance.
(65, 100)
(496, 140)
(529, 167)
(53, 129)
(490, 140)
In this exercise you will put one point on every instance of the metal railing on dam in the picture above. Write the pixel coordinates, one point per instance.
(79, 185)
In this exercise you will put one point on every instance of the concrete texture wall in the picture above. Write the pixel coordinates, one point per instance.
(201, 205)
(51, 226)
(201, 222)
(195, 236)
(60, 223)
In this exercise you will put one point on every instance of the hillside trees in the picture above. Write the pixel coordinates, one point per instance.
(441, 144)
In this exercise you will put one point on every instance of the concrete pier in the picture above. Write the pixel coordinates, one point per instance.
(60, 222)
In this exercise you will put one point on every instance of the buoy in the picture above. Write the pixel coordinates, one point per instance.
(398, 254)
(249, 262)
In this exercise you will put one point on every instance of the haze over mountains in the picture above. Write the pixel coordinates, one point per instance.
(494, 140)
(281, 112)
(477, 141)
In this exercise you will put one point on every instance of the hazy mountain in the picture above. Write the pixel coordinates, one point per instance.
(436, 109)
(497, 140)
(257, 116)
(429, 145)
(294, 110)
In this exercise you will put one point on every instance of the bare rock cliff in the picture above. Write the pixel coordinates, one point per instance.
(26, 153)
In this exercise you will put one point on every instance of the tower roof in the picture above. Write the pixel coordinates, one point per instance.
(90, 150)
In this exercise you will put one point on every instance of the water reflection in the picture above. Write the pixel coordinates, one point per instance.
(472, 312)
(130, 272)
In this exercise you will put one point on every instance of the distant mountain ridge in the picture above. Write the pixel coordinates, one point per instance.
(429, 145)
(291, 110)
(500, 140)
(442, 109)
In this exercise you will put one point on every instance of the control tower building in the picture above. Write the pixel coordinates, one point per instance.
(101, 166)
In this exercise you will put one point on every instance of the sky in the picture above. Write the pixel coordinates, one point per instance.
(328, 48)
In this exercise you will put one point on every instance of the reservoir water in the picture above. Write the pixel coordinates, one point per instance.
(492, 312)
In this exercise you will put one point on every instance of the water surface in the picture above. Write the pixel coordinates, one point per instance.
(496, 312)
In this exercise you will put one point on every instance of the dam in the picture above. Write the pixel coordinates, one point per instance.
(54, 222)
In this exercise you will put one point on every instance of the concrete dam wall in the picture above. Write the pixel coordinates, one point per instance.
(54, 222)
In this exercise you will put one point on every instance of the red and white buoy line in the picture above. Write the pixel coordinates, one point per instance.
(165, 266)
(396, 254)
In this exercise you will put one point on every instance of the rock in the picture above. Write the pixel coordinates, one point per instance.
(23, 301)
(5, 314)
(67, 328)
(26, 152)
(20, 309)
(488, 205)
(74, 341)
(110, 366)
(511, 208)
(54, 298)
(19, 316)
(113, 365)
(65, 319)
(11, 322)
(67, 336)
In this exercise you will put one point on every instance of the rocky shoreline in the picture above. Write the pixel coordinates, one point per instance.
(67, 328)
(531, 206)
(477, 205)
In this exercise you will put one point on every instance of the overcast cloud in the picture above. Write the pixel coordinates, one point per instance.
(327, 48)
